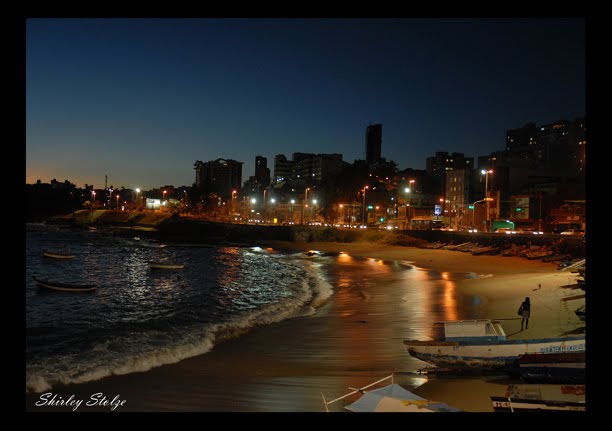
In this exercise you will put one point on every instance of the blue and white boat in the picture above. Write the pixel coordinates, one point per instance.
(483, 344)
(568, 367)
(529, 398)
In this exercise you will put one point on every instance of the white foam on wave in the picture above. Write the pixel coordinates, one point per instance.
(43, 378)
(310, 294)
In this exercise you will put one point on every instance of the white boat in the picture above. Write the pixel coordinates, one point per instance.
(165, 265)
(390, 398)
(541, 397)
(483, 344)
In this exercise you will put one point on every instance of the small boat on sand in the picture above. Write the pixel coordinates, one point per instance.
(390, 398)
(519, 398)
(165, 265)
(58, 254)
(482, 344)
(566, 367)
(64, 287)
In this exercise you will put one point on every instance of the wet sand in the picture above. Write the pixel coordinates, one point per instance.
(354, 339)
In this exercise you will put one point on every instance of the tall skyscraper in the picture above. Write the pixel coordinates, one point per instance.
(283, 169)
(224, 175)
(373, 142)
(262, 173)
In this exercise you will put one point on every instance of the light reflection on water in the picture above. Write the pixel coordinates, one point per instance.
(146, 309)
(376, 299)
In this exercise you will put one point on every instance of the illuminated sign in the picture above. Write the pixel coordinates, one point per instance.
(153, 204)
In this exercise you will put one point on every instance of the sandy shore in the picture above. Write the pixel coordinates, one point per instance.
(353, 340)
(504, 283)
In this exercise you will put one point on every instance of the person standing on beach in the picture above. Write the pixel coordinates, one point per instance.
(525, 311)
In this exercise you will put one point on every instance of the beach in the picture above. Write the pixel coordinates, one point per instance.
(352, 340)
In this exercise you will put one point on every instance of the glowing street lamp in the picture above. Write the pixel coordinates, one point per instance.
(304, 205)
(292, 203)
(314, 204)
(486, 174)
(364, 199)
(137, 201)
(474, 207)
(93, 193)
(117, 205)
(233, 201)
(408, 190)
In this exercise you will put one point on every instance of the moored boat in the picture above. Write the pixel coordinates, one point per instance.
(165, 265)
(482, 344)
(566, 367)
(390, 398)
(540, 397)
(58, 254)
(64, 287)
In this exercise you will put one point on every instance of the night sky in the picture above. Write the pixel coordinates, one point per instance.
(142, 99)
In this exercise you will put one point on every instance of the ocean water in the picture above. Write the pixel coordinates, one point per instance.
(137, 318)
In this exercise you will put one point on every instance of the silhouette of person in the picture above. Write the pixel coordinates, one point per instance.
(525, 312)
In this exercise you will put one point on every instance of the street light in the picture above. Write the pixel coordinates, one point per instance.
(292, 202)
(93, 192)
(486, 174)
(364, 200)
(304, 204)
(234, 202)
(137, 201)
(117, 205)
(474, 208)
(408, 190)
(164, 195)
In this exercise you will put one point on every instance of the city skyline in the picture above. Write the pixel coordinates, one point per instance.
(140, 100)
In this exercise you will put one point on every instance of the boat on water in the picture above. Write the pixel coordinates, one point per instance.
(165, 265)
(566, 367)
(64, 287)
(525, 397)
(58, 254)
(390, 398)
(482, 344)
